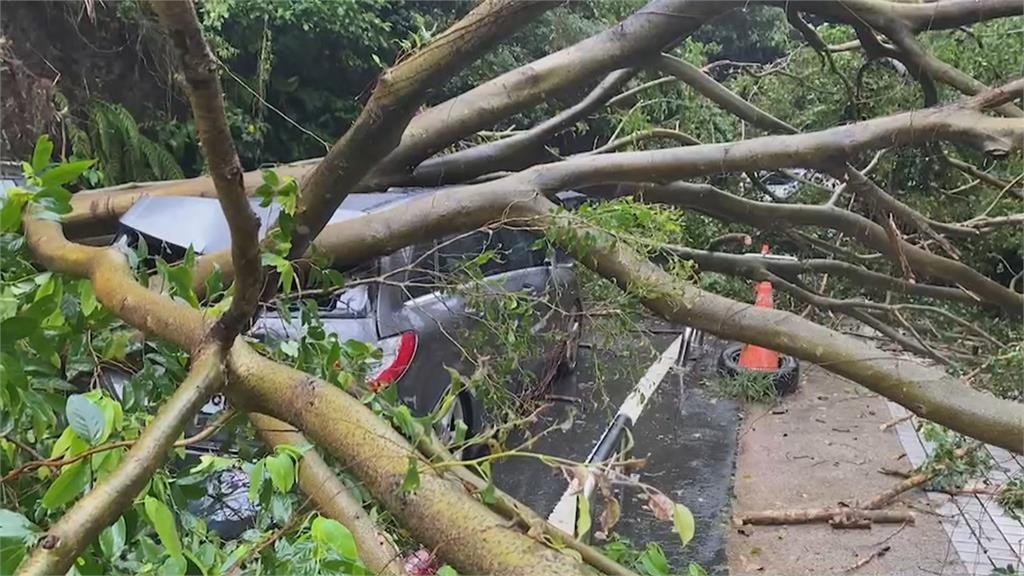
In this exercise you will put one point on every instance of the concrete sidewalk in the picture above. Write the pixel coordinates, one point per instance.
(821, 446)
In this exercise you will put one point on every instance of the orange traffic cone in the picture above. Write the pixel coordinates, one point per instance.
(754, 357)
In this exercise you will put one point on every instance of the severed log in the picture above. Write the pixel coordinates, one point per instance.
(836, 516)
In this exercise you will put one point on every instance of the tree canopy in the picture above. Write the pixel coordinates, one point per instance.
(877, 142)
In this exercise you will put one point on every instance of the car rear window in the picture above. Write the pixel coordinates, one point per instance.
(509, 249)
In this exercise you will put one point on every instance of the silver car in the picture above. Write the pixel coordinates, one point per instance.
(427, 305)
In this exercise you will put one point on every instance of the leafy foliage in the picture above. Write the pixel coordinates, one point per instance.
(123, 153)
(953, 460)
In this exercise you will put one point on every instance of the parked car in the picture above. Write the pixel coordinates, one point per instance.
(410, 318)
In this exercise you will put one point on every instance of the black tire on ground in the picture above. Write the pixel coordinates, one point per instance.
(786, 378)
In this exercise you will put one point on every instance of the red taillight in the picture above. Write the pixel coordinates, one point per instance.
(397, 356)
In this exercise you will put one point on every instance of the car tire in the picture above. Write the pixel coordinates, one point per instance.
(785, 379)
(571, 351)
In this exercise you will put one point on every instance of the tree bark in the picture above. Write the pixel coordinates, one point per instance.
(196, 61)
(709, 88)
(333, 499)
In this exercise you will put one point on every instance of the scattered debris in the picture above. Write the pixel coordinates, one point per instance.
(865, 560)
(896, 421)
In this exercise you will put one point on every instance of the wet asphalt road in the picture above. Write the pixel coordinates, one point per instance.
(686, 435)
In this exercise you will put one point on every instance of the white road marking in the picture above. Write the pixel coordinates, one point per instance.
(564, 514)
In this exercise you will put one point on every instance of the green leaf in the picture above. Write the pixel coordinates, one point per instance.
(11, 554)
(10, 215)
(42, 153)
(112, 539)
(86, 419)
(87, 297)
(67, 486)
(64, 443)
(412, 476)
(208, 464)
(332, 534)
(282, 471)
(653, 560)
(64, 173)
(683, 522)
(16, 328)
(583, 517)
(281, 508)
(446, 570)
(56, 199)
(290, 348)
(294, 451)
(488, 495)
(163, 522)
(270, 178)
(256, 477)
(14, 525)
(695, 569)
(173, 566)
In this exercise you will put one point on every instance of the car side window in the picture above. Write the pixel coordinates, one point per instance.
(521, 249)
(421, 278)
(455, 254)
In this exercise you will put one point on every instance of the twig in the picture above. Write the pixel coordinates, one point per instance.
(896, 421)
(295, 520)
(865, 560)
(61, 462)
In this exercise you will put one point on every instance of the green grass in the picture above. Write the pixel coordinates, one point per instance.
(749, 387)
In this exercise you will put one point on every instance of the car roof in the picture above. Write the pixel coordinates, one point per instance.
(199, 222)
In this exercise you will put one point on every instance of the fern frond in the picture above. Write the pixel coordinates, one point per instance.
(161, 164)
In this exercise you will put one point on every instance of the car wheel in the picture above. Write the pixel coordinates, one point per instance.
(461, 409)
(785, 379)
(571, 355)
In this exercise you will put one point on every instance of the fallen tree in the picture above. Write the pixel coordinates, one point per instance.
(392, 144)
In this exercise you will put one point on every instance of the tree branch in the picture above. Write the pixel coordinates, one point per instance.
(886, 203)
(747, 264)
(332, 498)
(518, 151)
(766, 215)
(196, 61)
(650, 134)
(643, 34)
(722, 96)
(399, 93)
(830, 146)
(474, 538)
(928, 64)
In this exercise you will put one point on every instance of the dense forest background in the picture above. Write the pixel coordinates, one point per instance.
(297, 73)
